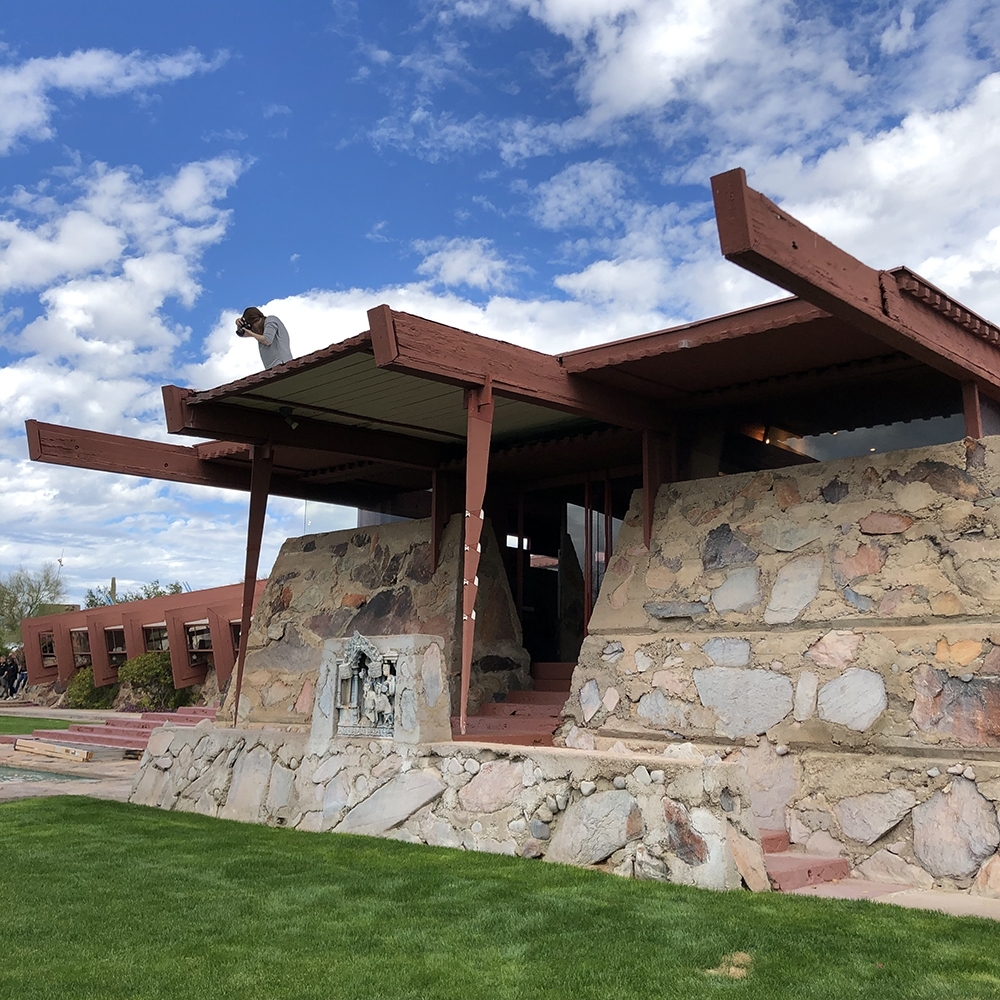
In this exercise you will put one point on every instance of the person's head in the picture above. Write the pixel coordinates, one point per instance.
(252, 319)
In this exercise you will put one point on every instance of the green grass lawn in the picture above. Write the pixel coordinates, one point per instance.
(108, 900)
(20, 725)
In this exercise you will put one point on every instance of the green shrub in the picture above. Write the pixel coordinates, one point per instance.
(152, 683)
(81, 693)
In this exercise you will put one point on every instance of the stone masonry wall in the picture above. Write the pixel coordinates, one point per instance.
(676, 818)
(376, 581)
(849, 613)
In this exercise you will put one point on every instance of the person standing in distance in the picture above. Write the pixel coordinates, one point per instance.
(270, 334)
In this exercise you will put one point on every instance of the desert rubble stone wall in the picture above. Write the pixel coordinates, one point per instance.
(836, 628)
(376, 581)
(676, 818)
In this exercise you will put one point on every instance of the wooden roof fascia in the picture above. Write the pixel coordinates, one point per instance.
(729, 326)
(762, 238)
(353, 345)
(187, 415)
(409, 343)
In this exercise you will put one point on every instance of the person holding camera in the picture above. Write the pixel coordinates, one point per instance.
(270, 334)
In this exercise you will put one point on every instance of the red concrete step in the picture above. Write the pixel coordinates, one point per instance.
(774, 841)
(174, 717)
(509, 739)
(537, 697)
(202, 711)
(545, 684)
(90, 739)
(553, 671)
(548, 710)
(509, 724)
(788, 870)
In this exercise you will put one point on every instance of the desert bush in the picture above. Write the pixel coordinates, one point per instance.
(152, 683)
(81, 693)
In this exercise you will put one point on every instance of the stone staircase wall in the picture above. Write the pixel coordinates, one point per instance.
(836, 628)
(680, 819)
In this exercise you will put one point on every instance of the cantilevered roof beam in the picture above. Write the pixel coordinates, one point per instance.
(406, 343)
(84, 449)
(761, 237)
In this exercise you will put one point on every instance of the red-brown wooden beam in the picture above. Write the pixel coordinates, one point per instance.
(982, 414)
(716, 330)
(407, 343)
(260, 481)
(234, 422)
(659, 466)
(479, 402)
(763, 238)
(84, 449)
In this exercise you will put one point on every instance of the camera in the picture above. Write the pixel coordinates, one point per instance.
(241, 327)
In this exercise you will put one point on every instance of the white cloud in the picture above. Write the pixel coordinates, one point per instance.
(25, 106)
(460, 261)
(584, 194)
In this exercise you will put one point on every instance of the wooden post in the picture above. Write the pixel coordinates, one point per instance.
(260, 481)
(520, 557)
(659, 465)
(479, 403)
(446, 499)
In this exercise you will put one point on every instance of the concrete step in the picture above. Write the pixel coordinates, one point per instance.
(507, 724)
(545, 684)
(537, 697)
(508, 739)
(525, 709)
(774, 841)
(62, 736)
(553, 671)
(202, 711)
(174, 717)
(788, 870)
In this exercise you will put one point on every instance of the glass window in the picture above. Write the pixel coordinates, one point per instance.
(47, 643)
(155, 638)
(114, 638)
(80, 639)
(199, 644)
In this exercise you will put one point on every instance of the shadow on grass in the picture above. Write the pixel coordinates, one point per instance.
(108, 900)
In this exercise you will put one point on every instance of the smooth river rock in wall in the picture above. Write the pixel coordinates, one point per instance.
(248, 787)
(855, 699)
(955, 831)
(865, 818)
(794, 589)
(389, 805)
(594, 828)
(493, 788)
(727, 652)
(746, 702)
(740, 592)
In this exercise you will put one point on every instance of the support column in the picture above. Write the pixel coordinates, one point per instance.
(446, 499)
(479, 403)
(659, 465)
(982, 414)
(260, 482)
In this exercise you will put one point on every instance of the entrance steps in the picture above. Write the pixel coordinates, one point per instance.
(125, 733)
(788, 870)
(524, 718)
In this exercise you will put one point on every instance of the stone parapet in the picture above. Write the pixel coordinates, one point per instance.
(678, 818)
(377, 581)
(851, 602)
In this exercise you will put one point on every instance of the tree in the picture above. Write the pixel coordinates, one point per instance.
(23, 593)
(98, 597)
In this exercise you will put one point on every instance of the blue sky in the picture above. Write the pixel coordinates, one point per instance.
(535, 170)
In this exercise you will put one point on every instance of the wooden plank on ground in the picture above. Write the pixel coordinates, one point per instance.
(53, 750)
